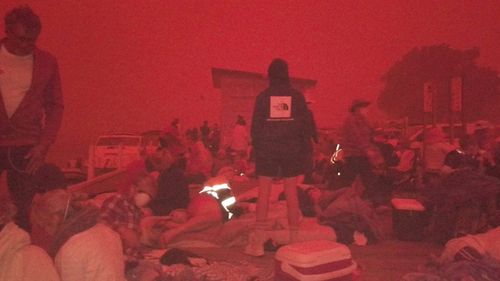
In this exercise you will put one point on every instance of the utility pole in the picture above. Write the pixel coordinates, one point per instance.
(429, 96)
(456, 102)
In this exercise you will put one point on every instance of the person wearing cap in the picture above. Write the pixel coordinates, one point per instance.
(356, 142)
(279, 125)
(31, 105)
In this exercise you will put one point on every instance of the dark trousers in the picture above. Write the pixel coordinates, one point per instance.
(20, 184)
(360, 165)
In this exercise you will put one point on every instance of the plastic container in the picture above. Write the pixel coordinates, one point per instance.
(408, 219)
(320, 260)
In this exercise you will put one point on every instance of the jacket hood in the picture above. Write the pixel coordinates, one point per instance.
(278, 72)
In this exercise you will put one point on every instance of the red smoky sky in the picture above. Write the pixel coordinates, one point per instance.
(132, 66)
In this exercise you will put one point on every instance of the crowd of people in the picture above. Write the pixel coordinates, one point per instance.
(342, 183)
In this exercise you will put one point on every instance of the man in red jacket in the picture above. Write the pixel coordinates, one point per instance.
(31, 105)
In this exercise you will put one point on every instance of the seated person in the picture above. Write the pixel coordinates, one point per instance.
(47, 177)
(336, 207)
(433, 156)
(466, 156)
(403, 173)
(386, 150)
(173, 191)
(19, 260)
(199, 161)
(123, 212)
(406, 157)
(462, 204)
(174, 145)
(84, 249)
(493, 166)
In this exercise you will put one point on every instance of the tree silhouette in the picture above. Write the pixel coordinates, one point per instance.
(402, 95)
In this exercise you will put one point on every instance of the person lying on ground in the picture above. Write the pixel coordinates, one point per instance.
(214, 205)
(342, 209)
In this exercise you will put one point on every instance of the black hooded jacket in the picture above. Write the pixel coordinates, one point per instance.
(280, 121)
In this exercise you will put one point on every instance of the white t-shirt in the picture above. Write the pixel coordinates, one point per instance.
(16, 73)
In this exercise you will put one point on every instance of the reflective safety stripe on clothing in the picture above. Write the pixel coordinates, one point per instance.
(223, 194)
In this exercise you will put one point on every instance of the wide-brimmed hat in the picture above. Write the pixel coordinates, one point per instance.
(358, 103)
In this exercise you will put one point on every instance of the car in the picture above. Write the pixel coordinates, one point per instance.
(117, 150)
(151, 141)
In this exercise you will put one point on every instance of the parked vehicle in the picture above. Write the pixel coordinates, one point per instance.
(117, 151)
(150, 141)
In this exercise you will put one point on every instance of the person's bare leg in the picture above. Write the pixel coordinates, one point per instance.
(293, 209)
(262, 207)
(258, 237)
(196, 223)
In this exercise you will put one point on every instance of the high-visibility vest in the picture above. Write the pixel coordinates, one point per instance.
(224, 196)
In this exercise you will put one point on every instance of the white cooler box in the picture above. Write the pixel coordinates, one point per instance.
(320, 260)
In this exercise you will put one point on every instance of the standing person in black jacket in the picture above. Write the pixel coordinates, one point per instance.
(279, 123)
